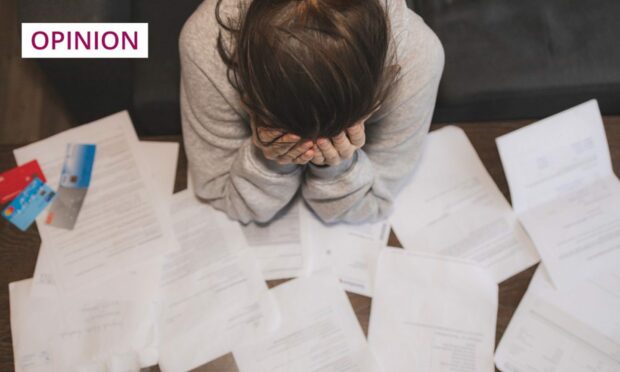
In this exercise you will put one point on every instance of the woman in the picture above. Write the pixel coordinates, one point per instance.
(333, 97)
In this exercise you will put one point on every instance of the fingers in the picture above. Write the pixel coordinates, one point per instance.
(281, 146)
(318, 158)
(285, 143)
(262, 136)
(341, 141)
(356, 135)
(343, 146)
(329, 151)
(287, 148)
(305, 157)
(271, 136)
(298, 150)
(267, 134)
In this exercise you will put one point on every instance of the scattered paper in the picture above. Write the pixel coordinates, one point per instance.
(130, 300)
(350, 251)
(565, 192)
(453, 207)
(161, 159)
(121, 223)
(281, 245)
(213, 293)
(108, 328)
(432, 313)
(574, 330)
(318, 332)
(147, 277)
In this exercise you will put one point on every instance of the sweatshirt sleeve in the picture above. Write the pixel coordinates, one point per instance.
(227, 170)
(363, 188)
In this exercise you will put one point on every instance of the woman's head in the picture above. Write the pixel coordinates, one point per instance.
(309, 67)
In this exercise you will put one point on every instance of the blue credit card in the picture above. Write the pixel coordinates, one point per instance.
(78, 166)
(29, 204)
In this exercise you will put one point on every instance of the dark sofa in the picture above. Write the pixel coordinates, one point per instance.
(505, 59)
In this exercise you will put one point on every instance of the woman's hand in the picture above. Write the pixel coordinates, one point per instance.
(284, 148)
(342, 147)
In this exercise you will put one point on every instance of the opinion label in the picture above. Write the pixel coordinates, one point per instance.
(85, 40)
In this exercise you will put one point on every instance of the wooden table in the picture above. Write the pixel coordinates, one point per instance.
(18, 250)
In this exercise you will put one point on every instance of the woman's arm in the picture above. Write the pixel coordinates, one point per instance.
(363, 188)
(227, 170)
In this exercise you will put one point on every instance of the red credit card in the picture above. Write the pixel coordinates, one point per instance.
(13, 181)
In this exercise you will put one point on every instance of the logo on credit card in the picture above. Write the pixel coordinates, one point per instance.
(28, 204)
(9, 211)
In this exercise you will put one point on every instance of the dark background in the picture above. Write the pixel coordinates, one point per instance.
(505, 59)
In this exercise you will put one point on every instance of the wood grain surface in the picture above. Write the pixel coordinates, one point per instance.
(18, 250)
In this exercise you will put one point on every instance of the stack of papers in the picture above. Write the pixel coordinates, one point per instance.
(147, 276)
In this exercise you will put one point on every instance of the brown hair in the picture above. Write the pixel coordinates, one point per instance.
(309, 67)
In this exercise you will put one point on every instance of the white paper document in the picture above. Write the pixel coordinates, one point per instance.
(161, 158)
(213, 294)
(453, 207)
(121, 223)
(574, 330)
(281, 245)
(565, 192)
(350, 251)
(432, 313)
(112, 327)
(318, 332)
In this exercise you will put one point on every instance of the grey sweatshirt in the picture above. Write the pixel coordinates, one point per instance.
(230, 173)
